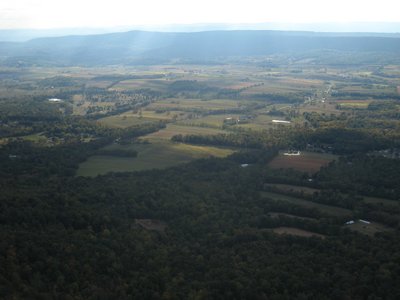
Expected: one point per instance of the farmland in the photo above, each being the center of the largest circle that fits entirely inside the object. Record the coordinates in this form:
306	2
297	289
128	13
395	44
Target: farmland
306	162
296	232
154	155
325	209
165	177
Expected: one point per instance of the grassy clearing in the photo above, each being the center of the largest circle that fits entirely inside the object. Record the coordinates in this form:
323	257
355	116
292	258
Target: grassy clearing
123	121
293	188
276	215
297	232
210	120
360	104
381	201
159	85
130	118
194	104
150	156
309	162
327	209
368	229
172	129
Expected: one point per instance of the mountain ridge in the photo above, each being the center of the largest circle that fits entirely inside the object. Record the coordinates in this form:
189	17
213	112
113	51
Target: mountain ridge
136	47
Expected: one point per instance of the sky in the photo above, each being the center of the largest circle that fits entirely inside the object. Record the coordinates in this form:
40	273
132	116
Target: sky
47	14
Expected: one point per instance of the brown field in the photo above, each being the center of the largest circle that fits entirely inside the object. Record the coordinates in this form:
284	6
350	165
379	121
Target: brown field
398	89
306	162
297	232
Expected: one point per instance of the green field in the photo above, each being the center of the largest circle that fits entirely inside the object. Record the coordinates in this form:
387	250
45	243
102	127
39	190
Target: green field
150	156
172	129
194	104
368	229
327	209
293	188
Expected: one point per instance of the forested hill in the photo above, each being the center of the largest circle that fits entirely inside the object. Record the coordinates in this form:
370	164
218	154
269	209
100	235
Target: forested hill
139	47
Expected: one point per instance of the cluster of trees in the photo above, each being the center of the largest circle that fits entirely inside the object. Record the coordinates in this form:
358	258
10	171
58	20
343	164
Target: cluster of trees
280	137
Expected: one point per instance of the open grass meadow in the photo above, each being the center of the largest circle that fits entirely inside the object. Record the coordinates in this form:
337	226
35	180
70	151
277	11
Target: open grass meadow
296	232
173	129
150	156
358	104
131	118
369	229
309	162
194	104
326	209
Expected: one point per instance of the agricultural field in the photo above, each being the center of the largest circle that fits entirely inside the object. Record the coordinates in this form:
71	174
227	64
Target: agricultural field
309	162
369	229
292	188
172	129
325	209
194	104
131	118
357	104
150	156
297	232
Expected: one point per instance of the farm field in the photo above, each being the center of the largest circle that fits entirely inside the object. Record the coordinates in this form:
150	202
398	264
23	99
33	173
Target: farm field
381	201
360	104
159	85
326	209
309	162
150	156
278	215
172	129
368	229
297	232
130	118
193	104
292	188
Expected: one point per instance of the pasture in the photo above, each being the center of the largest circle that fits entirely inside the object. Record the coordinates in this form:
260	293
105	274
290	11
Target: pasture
358	104
172	129
309	162
368	229
296	232
292	188
194	104
150	156
326	209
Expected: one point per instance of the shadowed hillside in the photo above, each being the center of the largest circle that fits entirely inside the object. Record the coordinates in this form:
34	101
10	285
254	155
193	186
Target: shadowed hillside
139	47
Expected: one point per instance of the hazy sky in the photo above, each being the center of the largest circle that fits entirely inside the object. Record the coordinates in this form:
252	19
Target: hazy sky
111	13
